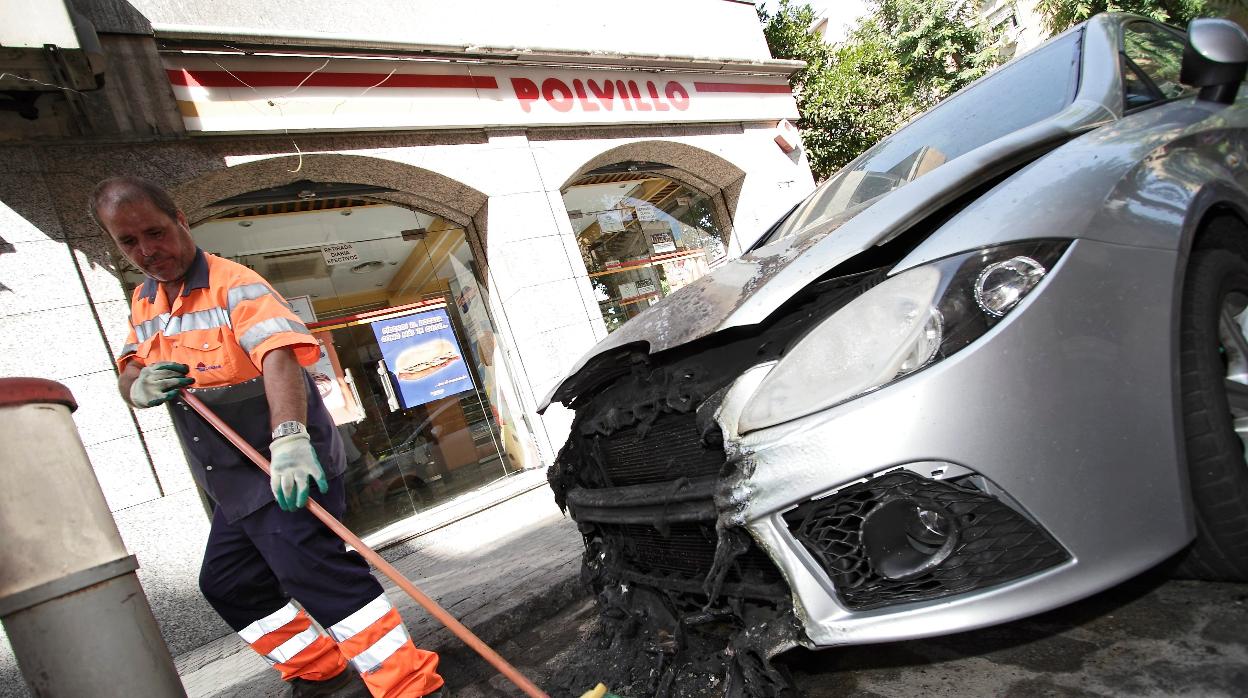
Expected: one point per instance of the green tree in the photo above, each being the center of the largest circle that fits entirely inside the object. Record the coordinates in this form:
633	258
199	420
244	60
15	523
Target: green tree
902	58
1060	15
942	45
788	36
858	99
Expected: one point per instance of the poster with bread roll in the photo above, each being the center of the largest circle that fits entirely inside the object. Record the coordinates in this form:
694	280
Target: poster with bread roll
423	356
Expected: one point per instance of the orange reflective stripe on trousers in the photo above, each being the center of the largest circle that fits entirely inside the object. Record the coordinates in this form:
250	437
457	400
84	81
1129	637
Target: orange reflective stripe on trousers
289	641
378	646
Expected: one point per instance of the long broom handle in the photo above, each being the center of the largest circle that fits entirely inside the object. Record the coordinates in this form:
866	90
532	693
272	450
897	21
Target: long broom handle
440	614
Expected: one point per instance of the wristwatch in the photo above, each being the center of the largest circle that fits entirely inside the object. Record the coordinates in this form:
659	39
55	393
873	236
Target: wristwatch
288	428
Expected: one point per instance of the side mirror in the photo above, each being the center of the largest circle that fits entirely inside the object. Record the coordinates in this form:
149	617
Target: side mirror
1215	59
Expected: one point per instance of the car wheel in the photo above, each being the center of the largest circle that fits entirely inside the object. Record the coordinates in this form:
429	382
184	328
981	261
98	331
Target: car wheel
1214	384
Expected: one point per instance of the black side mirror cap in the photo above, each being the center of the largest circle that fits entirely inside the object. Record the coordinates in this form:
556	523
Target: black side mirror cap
1215	59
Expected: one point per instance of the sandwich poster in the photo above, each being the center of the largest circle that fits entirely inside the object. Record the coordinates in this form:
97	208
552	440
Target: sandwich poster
424	359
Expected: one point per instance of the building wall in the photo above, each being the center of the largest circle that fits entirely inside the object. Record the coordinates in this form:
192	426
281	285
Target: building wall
721	28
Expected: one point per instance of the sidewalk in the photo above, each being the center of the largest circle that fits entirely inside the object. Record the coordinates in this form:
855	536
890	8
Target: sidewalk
499	570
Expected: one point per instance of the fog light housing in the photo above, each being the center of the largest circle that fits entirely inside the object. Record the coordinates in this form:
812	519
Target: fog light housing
903	539
1001	286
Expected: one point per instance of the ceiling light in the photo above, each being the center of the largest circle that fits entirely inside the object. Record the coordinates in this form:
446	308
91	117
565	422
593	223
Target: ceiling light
245	224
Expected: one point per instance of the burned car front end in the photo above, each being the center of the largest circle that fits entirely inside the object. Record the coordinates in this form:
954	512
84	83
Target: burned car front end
915	408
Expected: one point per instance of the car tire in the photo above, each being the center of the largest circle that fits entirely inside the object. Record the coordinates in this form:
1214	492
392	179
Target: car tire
1216	286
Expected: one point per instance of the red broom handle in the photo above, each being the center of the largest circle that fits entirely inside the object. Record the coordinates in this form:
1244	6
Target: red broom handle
440	614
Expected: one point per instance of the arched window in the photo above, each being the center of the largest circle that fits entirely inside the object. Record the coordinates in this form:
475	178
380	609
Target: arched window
642	234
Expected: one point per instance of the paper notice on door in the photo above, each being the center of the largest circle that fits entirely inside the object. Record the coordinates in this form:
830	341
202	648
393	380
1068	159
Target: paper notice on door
339	253
661	241
328	375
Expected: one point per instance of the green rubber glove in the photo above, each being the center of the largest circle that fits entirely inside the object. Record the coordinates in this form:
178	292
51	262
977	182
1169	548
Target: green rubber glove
294	461
158	383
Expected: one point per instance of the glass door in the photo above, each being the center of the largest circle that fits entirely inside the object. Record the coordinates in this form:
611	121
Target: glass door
409	368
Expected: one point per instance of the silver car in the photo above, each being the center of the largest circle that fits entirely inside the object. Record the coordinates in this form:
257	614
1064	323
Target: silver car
993	366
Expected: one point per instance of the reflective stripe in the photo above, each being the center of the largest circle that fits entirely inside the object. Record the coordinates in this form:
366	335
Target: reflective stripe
147	328
293	646
198	320
248	292
269	623
374	656
128	350
355	623
264	329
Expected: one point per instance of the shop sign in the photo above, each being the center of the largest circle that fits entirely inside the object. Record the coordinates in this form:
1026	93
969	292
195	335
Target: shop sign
339	253
226	93
606	94
422	356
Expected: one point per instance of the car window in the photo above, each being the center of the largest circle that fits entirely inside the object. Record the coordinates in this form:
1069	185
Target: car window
1025	91
1137	91
1157	53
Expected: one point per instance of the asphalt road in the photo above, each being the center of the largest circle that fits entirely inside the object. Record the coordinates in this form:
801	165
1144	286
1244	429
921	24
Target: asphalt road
1149	637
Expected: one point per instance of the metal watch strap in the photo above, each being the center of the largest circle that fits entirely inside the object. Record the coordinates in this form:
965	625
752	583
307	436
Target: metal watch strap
287	428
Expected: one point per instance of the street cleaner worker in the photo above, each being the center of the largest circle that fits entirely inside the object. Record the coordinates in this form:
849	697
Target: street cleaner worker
205	321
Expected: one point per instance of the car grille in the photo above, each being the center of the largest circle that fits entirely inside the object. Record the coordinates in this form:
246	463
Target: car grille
670	449
997	544
684	553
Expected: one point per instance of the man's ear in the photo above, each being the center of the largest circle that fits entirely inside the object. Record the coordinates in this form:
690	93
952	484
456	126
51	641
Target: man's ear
181	218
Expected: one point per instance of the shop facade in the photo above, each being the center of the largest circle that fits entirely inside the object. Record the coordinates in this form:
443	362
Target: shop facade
455	219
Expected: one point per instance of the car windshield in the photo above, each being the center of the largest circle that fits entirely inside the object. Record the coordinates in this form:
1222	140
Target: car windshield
1023	92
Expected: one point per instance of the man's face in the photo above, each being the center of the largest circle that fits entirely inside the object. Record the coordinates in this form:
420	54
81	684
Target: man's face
159	245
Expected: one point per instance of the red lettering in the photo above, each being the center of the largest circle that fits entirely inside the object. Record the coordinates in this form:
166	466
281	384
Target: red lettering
583	98
641	104
619	86
654	97
677	95
605	94
560	102
526	92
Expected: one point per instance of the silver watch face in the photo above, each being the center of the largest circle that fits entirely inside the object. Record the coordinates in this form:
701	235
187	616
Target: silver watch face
287	428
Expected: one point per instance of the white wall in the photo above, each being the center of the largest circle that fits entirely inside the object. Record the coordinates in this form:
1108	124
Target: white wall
726	28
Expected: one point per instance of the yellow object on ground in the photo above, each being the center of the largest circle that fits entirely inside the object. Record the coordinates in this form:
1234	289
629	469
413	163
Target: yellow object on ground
599	691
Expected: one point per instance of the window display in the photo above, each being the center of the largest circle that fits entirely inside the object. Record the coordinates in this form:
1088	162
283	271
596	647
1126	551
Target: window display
641	235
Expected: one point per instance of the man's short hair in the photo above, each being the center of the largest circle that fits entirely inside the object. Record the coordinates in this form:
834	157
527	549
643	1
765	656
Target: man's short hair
127	189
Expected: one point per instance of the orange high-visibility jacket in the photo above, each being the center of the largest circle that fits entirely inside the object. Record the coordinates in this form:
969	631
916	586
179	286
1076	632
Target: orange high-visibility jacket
222	323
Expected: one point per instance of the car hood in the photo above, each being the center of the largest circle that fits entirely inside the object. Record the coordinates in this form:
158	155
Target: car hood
746	290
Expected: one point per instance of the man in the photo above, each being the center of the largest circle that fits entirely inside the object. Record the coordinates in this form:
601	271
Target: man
205	321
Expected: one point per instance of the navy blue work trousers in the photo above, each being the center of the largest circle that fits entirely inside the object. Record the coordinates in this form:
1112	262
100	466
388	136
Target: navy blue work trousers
254	566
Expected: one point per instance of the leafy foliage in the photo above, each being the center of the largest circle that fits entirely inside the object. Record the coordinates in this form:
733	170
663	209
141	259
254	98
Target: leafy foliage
1060	15
902	58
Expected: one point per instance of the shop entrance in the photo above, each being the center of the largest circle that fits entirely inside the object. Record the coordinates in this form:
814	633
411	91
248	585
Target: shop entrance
642	235
409	367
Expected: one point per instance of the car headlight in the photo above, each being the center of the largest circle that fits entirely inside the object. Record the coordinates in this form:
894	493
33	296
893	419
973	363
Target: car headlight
908	321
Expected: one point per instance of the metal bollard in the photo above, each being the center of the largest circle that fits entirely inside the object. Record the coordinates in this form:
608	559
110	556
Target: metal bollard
70	602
